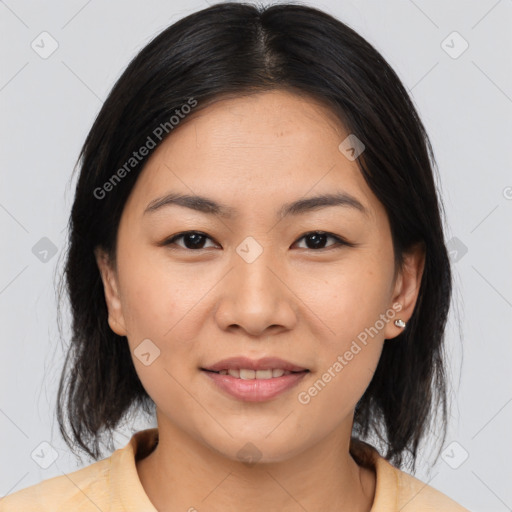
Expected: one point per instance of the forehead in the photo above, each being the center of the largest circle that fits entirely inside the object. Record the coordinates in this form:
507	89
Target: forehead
254	151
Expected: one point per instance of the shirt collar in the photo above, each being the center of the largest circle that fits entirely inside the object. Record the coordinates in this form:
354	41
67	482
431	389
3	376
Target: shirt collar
126	485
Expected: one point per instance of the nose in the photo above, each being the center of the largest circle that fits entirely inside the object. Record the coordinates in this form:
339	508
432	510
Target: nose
256	297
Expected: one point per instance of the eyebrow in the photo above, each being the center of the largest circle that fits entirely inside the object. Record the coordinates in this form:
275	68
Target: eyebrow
211	207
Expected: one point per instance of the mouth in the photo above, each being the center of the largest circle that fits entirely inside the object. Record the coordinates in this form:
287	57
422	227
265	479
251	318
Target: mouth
249	374
254	386
254	380
265	367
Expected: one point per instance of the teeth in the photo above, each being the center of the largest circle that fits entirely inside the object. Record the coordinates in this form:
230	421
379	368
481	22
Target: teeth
252	374
247	374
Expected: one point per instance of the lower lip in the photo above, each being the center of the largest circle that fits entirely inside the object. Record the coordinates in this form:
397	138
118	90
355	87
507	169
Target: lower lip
255	390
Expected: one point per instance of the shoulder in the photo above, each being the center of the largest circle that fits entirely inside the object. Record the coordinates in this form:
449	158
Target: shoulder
105	485
396	490
413	495
83	490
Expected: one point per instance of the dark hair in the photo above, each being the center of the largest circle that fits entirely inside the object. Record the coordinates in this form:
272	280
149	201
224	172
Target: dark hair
237	49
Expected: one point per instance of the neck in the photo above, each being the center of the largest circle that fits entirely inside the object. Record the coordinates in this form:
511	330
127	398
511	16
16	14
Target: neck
183	474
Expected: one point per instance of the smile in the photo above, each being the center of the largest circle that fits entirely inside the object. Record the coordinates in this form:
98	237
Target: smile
247	385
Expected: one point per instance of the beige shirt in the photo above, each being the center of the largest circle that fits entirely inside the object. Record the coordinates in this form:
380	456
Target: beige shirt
113	485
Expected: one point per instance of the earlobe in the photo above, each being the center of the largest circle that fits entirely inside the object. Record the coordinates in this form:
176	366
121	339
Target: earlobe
111	290
407	287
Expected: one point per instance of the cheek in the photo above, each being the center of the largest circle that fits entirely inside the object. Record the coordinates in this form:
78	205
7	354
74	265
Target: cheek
163	303
349	346
349	298
352	306
158	307
157	297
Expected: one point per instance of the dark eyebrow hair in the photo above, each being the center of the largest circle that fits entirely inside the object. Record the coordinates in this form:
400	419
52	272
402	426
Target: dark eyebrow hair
209	206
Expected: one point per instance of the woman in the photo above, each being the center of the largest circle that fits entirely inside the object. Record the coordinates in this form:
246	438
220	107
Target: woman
256	258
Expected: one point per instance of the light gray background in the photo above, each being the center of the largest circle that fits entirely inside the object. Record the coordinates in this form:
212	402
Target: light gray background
48	106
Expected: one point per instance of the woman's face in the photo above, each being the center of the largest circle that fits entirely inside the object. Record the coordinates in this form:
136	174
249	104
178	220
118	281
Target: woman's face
253	282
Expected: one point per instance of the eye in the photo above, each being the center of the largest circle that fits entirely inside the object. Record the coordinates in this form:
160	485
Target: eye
192	239
315	240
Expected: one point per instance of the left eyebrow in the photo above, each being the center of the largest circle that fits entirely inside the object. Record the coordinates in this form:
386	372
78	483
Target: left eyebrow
301	206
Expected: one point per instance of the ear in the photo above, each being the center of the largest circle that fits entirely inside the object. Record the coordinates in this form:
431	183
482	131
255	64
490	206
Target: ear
111	289
407	287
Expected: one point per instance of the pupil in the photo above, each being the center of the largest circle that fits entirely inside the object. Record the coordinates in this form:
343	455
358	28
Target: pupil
195	244
320	239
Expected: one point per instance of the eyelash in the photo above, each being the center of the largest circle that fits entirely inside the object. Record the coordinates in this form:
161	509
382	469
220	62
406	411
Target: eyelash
339	241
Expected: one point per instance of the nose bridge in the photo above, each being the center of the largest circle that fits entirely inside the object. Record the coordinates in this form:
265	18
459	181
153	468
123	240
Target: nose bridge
256	298
253	272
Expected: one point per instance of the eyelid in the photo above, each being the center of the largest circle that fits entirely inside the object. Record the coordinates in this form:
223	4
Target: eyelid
340	241
170	240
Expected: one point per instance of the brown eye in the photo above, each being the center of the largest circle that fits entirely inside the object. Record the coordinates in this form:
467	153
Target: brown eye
192	240
316	240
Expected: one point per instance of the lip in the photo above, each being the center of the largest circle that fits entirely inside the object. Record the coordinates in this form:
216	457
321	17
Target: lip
264	363
255	390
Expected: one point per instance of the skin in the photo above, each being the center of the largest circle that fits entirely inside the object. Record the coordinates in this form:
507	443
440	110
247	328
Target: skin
301	303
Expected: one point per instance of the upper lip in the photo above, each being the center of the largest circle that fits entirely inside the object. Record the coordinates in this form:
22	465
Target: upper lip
265	363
